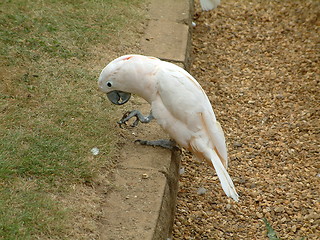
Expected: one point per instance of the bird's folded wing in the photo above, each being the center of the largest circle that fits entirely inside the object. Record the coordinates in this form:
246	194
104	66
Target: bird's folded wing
185	99
217	138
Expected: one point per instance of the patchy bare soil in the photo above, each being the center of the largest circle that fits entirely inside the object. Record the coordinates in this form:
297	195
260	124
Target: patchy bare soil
88	201
258	61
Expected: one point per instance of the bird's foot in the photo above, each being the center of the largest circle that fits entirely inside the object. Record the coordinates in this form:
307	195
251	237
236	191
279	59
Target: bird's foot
139	118
168	144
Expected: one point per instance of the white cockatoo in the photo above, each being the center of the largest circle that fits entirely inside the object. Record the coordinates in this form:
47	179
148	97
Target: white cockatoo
178	103
207	5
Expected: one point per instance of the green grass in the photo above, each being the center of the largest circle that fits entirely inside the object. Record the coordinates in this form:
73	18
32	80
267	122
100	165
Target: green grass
51	113
34	214
271	233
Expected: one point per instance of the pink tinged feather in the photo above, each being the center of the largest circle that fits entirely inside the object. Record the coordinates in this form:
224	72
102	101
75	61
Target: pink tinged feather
179	105
216	135
225	179
184	111
198	146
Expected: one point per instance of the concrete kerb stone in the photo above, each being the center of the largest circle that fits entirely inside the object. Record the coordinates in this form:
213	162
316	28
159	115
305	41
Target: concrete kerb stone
153	197
168	37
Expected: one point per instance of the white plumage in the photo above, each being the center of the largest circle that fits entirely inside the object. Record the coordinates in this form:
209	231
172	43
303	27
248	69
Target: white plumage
178	103
207	5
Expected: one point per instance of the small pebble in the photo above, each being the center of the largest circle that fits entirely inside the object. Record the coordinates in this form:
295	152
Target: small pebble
95	151
279	209
181	171
259	215
201	191
145	176
237	144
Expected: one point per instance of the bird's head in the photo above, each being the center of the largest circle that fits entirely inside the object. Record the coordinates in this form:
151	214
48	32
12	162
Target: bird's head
129	74
110	83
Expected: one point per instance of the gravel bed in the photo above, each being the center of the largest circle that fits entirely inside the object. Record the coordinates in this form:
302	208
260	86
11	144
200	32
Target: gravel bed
258	61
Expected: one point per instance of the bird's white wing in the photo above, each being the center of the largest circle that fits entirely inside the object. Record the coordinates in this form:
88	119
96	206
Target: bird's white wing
185	99
217	137
207	5
181	95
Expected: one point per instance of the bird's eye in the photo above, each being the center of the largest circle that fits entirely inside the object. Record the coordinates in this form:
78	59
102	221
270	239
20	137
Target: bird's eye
109	84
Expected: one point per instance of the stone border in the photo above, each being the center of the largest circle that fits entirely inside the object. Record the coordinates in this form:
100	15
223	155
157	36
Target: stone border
168	37
142	206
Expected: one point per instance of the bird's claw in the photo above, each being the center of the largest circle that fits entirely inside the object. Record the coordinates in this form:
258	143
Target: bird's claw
139	118
168	144
142	142
125	118
120	123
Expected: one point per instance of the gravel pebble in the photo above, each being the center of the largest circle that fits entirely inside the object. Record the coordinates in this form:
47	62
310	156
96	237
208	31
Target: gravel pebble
258	61
201	191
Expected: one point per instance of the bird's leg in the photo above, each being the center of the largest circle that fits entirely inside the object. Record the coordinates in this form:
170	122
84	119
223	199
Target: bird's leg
169	144
135	113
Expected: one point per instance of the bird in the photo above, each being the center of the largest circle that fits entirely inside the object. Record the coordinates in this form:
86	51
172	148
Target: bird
207	5
178	104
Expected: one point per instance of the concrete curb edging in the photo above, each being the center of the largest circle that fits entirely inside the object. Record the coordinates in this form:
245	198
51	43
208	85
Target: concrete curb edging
168	37
142	206
164	226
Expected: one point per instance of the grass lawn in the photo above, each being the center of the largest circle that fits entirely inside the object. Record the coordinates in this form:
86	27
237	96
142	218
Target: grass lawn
51	114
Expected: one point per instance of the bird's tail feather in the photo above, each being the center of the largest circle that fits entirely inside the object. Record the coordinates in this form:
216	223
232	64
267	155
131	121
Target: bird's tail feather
225	179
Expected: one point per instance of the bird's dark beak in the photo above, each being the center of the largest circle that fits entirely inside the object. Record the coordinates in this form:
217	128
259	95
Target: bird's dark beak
118	97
